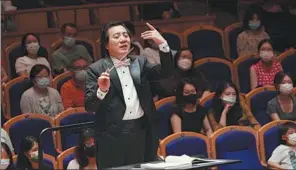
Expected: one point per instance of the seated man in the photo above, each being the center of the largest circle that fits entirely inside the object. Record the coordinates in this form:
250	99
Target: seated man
72	91
63	56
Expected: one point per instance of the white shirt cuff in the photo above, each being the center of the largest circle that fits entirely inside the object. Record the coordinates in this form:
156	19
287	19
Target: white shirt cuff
164	47
101	95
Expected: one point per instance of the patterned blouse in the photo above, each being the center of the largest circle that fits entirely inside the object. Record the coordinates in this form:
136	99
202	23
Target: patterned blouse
265	75
247	42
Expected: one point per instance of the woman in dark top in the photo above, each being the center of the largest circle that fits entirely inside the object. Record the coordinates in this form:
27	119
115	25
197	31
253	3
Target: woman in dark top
227	109
183	68
283	106
6	158
188	115
27	158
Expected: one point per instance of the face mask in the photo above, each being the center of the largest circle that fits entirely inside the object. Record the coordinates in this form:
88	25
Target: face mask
286	88
80	75
266	55
229	99
69	41
90	151
191	99
4	163
43	82
34	156
33	48
292	139
185	64
254	25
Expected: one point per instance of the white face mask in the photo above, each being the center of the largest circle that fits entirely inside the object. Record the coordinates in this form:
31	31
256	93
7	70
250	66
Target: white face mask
286	88
229	99
292	139
34	156
80	75
33	48
266	55
4	163
69	41
43	82
184	64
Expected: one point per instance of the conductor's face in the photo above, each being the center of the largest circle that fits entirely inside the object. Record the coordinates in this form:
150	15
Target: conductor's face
119	41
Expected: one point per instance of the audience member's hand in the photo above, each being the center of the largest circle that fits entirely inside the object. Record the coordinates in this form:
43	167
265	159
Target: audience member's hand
153	34
104	82
227	107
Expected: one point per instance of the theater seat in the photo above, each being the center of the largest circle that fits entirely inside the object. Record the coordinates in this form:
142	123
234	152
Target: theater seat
189	143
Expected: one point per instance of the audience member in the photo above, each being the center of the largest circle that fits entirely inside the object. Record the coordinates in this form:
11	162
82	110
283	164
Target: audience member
75	86
263	72
253	33
31	46
164	10
131	27
151	51
28	155
85	152
283	106
227	109
183	67
4	77
41	98
283	157
188	115
61	58
6	158
6	139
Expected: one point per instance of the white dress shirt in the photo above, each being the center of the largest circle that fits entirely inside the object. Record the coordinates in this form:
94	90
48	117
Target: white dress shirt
131	99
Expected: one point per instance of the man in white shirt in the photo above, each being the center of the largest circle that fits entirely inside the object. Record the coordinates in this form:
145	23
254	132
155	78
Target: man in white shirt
118	90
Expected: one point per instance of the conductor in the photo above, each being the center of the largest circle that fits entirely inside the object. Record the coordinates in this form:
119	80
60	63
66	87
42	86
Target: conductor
118	91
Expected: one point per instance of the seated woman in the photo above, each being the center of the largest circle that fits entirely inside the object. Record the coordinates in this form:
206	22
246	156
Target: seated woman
31	46
283	106
183	68
6	158
227	109
253	33
41	98
263	72
188	115
28	155
84	152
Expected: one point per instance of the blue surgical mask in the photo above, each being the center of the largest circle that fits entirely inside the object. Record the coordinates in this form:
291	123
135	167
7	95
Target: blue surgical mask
43	82
254	25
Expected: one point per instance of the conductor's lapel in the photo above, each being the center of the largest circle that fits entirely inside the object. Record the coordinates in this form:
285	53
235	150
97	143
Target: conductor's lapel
135	70
114	76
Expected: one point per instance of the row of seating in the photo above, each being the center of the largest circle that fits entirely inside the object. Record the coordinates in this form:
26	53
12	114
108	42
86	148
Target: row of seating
31	124
253	148
204	40
256	100
214	69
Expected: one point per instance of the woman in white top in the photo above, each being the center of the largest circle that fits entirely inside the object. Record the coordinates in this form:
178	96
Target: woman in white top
31	46
84	152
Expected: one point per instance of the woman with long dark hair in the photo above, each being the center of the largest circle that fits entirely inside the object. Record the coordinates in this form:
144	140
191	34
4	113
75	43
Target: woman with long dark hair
227	109
85	152
6	158
32	55
28	155
183	68
188	114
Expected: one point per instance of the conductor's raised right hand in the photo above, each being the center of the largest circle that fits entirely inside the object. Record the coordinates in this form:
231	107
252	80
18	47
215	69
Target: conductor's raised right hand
104	82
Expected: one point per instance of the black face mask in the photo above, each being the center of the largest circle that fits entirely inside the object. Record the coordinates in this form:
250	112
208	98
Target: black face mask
190	99
90	151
